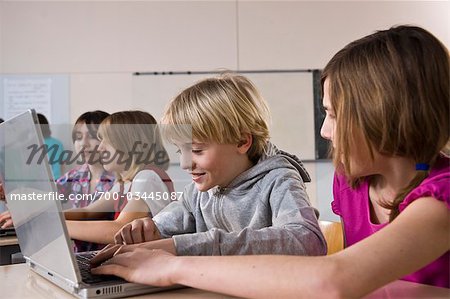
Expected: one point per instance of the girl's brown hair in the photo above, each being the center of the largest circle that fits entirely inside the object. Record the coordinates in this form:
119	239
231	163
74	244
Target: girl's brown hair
92	119
391	87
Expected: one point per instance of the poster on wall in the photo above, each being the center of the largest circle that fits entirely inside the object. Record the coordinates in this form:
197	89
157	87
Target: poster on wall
21	94
47	94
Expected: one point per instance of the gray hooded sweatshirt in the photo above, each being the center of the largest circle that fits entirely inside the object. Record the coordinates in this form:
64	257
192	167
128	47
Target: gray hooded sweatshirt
264	210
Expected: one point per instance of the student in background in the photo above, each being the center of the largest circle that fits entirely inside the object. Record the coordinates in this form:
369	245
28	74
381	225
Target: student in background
54	146
247	197
132	148
89	176
84	184
386	98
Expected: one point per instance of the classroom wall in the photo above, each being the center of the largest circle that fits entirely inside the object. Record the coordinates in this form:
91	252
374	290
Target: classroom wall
99	44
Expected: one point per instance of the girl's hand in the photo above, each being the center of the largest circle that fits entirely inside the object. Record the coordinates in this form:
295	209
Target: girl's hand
108	252
146	266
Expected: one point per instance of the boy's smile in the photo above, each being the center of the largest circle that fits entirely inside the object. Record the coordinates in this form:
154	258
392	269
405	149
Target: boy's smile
197	177
213	164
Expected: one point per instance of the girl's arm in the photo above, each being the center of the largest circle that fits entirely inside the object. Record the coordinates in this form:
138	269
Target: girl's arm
100	209
145	183
103	231
415	238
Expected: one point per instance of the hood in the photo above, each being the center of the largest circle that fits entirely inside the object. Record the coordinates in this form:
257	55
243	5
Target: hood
273	151
271	160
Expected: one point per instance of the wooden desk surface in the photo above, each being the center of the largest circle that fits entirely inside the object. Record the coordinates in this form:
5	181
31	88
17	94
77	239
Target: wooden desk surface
17	281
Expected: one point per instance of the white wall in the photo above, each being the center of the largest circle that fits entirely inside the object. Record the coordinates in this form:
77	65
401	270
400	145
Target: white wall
100	43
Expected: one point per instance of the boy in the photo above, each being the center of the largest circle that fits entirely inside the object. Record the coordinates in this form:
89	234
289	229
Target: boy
247	197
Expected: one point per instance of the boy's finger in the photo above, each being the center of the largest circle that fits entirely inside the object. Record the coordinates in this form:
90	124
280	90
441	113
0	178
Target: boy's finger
105	253
136	234
118	237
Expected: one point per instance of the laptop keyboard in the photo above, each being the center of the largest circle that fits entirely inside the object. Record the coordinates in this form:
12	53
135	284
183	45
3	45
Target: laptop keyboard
83	260
5	232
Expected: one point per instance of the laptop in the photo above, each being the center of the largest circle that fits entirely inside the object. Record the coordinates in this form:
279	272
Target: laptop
38	218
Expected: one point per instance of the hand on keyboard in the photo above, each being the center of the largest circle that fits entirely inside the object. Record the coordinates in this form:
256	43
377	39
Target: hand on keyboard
137	265
108	252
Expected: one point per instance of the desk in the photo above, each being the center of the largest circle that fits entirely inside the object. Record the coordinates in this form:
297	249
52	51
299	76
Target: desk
8	246
17	281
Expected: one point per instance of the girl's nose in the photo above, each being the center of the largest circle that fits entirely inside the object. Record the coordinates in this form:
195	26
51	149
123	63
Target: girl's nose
101	146
325	130
85	142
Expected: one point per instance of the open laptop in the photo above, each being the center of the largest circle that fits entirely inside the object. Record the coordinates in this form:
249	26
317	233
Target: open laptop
38	218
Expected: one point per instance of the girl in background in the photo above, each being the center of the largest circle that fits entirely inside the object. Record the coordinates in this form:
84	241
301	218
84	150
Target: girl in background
132	148
89	178
83	184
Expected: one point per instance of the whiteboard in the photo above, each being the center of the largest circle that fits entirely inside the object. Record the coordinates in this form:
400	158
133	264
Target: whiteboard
289	94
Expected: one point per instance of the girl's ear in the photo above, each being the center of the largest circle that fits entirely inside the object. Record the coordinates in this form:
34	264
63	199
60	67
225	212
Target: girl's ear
246	142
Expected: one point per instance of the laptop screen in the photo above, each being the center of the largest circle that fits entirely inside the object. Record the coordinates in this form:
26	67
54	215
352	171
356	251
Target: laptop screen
32	198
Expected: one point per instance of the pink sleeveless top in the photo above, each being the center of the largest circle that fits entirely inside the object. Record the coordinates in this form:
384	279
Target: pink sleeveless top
354	208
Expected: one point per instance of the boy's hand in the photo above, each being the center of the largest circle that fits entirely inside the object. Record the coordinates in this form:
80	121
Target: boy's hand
138	231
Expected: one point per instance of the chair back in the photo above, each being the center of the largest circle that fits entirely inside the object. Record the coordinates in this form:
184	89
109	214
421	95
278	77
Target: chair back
334	235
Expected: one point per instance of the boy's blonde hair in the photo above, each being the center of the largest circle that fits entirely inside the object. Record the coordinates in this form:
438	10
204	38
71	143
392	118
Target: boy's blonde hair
220	110
132	132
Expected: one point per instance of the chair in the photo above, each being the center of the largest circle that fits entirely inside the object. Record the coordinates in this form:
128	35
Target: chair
334	235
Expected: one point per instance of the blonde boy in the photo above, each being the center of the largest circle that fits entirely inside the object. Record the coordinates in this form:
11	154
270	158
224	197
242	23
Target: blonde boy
247	197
